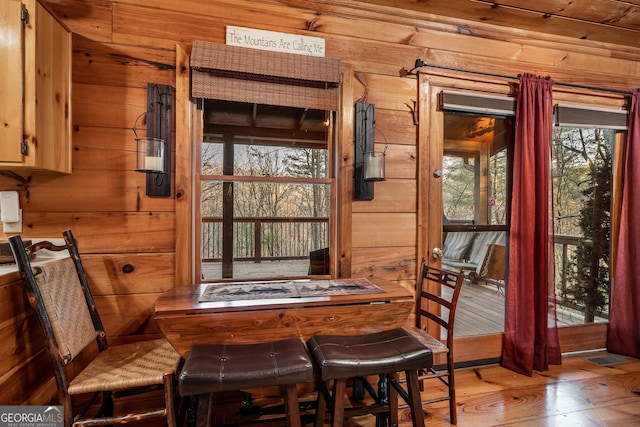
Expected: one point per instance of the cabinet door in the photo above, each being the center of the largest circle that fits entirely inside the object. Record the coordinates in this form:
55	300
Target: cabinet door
11	81
50	140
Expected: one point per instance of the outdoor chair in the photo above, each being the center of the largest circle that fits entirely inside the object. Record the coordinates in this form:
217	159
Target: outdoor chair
479	255
438	292
59	294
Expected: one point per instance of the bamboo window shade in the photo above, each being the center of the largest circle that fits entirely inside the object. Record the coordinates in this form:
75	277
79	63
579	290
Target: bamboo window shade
233	73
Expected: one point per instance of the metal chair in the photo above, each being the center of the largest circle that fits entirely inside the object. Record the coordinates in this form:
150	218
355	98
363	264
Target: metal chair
59	294
438	292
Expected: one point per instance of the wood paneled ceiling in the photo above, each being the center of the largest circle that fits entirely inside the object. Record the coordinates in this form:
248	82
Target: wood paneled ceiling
607	21
614	22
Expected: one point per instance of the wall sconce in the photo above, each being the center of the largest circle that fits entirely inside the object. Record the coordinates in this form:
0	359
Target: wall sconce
153	152
369	164
150	154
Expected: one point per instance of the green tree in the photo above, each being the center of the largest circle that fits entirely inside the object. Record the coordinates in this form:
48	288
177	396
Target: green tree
591	260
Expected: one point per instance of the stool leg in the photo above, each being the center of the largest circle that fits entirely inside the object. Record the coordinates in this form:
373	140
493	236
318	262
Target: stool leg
205	406
393	402
191	411
292	409
383	420
417	414
339	391
321	404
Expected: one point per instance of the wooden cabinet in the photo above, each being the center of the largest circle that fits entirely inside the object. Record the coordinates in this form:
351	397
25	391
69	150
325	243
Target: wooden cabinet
35	87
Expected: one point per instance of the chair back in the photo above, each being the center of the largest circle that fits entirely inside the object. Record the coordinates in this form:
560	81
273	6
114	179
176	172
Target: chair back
59	294
438	292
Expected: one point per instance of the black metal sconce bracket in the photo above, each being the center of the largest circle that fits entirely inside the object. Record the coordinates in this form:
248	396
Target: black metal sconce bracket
364	142
160	102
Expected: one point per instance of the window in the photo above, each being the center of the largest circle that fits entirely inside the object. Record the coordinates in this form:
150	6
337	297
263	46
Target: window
266	181
582	154
475	170
582	174
265	190
476	180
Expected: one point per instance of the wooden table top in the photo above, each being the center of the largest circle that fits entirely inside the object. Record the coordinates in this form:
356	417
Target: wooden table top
186	300
185	320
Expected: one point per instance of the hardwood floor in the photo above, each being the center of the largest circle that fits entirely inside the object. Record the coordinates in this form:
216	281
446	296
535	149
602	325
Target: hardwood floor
577	393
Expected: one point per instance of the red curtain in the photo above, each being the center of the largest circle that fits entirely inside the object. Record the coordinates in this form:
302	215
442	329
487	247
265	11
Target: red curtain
624	319
531	338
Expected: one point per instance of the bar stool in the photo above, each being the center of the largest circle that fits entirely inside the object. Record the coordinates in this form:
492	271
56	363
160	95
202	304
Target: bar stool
386	353
211	368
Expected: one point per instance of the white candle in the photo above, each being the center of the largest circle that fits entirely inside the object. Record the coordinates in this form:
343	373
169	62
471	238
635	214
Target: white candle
374	166
153	163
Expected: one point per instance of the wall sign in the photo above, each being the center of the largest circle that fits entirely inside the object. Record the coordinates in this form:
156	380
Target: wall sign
271	40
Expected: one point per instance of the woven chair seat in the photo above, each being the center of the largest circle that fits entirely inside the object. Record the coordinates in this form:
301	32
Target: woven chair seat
125	366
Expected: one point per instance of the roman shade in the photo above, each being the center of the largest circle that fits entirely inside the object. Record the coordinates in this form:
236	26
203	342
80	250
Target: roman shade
578	116
477	103
233	73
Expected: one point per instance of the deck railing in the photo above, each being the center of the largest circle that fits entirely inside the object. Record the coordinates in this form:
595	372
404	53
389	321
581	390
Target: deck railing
567	248
567	244
259	238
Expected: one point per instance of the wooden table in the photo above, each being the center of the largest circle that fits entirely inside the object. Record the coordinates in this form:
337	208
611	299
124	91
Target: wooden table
185	321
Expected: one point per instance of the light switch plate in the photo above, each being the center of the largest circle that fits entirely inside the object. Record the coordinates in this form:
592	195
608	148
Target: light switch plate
13	227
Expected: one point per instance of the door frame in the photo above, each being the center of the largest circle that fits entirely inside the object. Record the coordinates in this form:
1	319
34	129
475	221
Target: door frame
470	350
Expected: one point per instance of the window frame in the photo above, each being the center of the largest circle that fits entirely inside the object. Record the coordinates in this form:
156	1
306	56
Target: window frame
198	178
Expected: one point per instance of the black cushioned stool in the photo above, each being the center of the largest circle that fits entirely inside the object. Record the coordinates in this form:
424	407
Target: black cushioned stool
211	368
339	358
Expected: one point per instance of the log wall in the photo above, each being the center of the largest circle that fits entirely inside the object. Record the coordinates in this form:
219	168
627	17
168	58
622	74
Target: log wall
120	46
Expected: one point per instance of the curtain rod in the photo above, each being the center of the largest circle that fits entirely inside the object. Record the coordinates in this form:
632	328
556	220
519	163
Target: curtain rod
420	63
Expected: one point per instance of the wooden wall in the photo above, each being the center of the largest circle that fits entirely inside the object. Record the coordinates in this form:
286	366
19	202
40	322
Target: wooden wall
120	46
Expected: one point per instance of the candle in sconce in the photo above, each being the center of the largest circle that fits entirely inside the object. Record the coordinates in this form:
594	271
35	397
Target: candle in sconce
374	168
153	163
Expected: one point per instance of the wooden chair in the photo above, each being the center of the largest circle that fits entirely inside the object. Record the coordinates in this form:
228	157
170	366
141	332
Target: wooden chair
59	294
438	292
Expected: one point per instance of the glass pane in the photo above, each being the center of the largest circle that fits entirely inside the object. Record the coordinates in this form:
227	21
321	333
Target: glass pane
265	160
582	160
475	169
275	227
272	220
475	184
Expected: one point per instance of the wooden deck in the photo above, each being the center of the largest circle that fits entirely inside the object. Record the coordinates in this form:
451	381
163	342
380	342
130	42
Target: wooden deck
481	311
252	270
480	307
